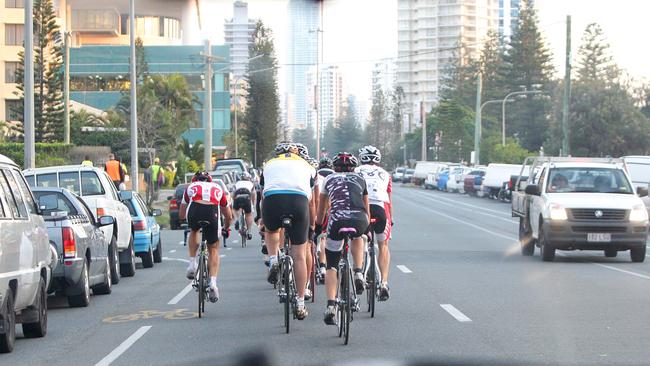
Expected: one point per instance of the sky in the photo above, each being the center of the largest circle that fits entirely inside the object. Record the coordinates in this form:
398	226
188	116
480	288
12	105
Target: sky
358	33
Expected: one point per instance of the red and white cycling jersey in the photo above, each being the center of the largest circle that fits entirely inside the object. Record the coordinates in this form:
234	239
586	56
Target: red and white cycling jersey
379	183
205	191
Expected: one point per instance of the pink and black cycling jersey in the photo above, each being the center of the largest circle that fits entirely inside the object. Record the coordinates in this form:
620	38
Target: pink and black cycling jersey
345	191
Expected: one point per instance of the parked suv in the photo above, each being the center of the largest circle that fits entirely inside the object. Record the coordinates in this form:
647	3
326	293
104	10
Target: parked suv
26	259
174	205
99	193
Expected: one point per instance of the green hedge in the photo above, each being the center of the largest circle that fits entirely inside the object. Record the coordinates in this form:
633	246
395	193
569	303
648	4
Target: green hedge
47	154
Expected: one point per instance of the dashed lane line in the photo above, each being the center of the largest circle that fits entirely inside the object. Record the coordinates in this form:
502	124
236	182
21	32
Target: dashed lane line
180	295
117	352
173	251
457	314
403	268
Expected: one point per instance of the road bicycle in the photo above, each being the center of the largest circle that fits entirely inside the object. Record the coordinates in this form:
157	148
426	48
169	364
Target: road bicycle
313	274
371	270
346	298
243	230
286	282
201	279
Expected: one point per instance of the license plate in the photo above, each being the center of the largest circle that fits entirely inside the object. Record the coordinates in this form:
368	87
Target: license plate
599	237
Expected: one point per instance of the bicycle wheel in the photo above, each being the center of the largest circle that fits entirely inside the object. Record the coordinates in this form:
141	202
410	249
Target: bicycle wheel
287	290
201	284
343	296
242	229
349	302
312	275
371	291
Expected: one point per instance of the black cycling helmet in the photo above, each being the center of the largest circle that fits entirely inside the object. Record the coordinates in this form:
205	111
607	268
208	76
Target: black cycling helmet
202	176
325	163
344	162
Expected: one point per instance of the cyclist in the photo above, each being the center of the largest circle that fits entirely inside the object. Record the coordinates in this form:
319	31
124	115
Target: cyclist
346	194
288	180
380	186
202	201
243	200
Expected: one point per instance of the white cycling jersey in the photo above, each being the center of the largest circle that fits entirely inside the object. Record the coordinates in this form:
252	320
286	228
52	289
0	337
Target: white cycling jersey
244	184
379	182
288	174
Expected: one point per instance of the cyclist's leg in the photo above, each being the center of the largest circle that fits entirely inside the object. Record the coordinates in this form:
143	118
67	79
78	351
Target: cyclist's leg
298	207
272	211
332	250
248	211
212	237
194	215
357	249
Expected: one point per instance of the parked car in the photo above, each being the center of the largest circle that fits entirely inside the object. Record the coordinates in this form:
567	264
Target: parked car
638	167
237	165
472	181
429	182
174	205
79	242
456	181
99	193
26	259
146	231
443	177
408	176
580	204
422	168
226	178
496	175
398	174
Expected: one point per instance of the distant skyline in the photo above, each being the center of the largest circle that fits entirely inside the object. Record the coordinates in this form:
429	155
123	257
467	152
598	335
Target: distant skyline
358	33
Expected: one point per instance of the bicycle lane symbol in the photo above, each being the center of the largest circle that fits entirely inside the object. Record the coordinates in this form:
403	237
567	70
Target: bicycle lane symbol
178	314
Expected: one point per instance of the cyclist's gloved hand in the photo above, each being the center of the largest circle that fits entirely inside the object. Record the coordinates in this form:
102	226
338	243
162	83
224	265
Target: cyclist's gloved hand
317	231
225	232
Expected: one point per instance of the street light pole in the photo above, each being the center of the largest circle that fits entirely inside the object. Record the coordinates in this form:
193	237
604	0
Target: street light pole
317	90
28	120
503	111
478	128
66	89
134	101
207	108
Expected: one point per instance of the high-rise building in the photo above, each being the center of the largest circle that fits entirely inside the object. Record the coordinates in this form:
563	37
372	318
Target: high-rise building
429	35
302	52
383	76
508	16
330	94
238	35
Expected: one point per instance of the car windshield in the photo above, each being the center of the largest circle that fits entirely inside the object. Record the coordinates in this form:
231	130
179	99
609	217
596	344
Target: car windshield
589	180
229	166
51	202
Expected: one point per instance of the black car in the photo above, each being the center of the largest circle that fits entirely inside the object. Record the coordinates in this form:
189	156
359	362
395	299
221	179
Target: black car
175	204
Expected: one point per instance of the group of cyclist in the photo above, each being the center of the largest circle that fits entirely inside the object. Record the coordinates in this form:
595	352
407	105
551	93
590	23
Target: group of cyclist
319	196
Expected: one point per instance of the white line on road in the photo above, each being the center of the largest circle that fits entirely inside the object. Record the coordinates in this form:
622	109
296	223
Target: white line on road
181	242
117	352
455	313
221	255
469	224
173	251
176	259
473	209
180	295
456	202
624	271
229	248
403	268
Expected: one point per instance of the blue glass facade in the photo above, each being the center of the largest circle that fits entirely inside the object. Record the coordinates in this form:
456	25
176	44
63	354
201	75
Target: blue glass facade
99	76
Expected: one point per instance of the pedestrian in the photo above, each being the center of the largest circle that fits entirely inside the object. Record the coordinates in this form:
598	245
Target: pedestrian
87	161
155	178
114	170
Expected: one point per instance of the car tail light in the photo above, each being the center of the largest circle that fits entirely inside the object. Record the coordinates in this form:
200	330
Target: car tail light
173	204
510	184
69	246
101	212
139	225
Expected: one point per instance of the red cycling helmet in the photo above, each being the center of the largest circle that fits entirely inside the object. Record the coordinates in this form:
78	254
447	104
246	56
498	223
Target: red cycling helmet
345	162
202	176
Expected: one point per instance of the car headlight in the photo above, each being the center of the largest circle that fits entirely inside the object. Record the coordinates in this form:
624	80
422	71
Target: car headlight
557	212
638	213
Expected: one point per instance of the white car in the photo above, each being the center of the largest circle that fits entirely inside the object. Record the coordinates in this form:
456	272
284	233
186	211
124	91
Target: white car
580	204
26	259
456	182
98	191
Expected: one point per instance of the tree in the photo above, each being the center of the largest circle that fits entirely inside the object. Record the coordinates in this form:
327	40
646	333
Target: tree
595	62
454	124
48	83
141	64
512	153
263	113
306	136
348	131
459	83
527	63
377	125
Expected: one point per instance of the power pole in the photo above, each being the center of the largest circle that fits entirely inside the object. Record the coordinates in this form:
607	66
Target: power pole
477	120
66	89
424	131
207	107
28	121
567	90
134	102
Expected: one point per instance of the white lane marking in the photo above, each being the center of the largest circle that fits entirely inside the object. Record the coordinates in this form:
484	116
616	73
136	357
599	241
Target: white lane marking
176	259
403	268
512	221
623	271
229	248
466	204
221	255
180	295
117	352
455	313
181	242
173	251
235	241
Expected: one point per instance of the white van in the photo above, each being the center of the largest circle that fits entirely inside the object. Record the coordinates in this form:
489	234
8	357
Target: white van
496	175
26	259
98	191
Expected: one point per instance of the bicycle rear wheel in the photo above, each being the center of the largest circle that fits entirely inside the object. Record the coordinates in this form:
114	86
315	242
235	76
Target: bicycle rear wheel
287	290
242	229
312	275
201	283
371	291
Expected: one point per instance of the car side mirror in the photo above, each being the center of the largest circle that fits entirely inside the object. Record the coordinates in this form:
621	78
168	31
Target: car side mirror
642	191
156	212
532	189
105	221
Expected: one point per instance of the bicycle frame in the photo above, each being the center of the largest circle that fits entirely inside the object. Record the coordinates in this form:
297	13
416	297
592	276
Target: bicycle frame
286	281
347	301
371	272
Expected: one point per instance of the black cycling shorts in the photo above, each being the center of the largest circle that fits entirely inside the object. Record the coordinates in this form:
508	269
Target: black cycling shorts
198	212
276	206
242	202
359	223
379	214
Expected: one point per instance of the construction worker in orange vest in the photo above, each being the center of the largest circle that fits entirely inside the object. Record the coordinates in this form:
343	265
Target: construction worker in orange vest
114	170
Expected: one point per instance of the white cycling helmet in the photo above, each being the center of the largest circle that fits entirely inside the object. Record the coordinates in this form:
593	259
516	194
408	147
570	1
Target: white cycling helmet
302	150
369	154
285	147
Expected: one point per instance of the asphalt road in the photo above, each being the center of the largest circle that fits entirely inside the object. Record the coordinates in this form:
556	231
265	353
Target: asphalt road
460	292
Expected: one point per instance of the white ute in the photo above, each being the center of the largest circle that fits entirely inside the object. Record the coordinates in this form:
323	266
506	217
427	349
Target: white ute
579	204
